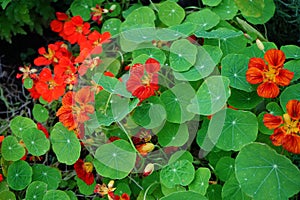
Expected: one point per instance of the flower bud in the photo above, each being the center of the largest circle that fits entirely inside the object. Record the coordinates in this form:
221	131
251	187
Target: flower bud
112	8
260	45
148	169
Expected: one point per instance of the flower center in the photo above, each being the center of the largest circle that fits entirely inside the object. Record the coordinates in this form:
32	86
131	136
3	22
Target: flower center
51	84
291	126
270	74
146	80
88	167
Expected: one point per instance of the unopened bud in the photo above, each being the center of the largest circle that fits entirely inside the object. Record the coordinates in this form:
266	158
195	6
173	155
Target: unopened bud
148	169
112	7
260	45
247	36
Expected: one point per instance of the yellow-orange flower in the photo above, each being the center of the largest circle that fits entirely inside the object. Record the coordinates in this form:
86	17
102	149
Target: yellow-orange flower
269	76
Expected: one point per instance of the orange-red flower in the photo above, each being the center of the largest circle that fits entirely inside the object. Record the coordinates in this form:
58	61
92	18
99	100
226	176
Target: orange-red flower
66	69
112	196
49	87
143	80
96	14
286	128
269	76
76	30
75	108
142	142
84	171
104	189
57	25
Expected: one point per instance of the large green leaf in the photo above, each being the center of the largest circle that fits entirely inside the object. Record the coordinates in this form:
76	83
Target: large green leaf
211	96
56	195
226	9
65	144
264	174
49	175
111	25
251	8
291	92
170	13
19	175
173	134
200	183
184	195
204	19
115	160
266	14
182	55
240	128
35	141
254	51
232	190
174	32
244	100
181	172
19	124
291	51
11	149
36	190
82	8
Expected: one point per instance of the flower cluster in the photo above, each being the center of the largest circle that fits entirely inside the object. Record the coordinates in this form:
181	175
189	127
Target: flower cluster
103	189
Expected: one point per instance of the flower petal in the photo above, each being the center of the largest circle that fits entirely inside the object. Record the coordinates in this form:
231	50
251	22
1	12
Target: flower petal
284	77
293	109
291	143
271	121
254	75
278	136
268	90
275	58
152	66
257	63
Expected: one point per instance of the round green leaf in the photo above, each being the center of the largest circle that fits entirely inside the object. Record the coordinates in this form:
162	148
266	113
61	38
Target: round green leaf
204	19
182	55
155	53
226	9
28	83
19	124
111	25
7	195
36	190
211	96
265	174
35	141
291	51
122	188
49	175
82	8
240	128
274	108
211	2
176	101
170	13
40	113
291	92
85	188
65	144
11	149
253	51
250	7
293	66
207	58
141	15
214	192
200	183
225	168
244	100
183	195
3	186
173	135
234	66
71	195
167	191
181	155
56	195
214	157
19	175
181	172
266	14
118	156
232	190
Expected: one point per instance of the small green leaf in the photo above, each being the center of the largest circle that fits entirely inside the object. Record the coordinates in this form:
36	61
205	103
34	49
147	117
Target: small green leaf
35	141
291	92
154	52
5	3
84	188
291	51
211	2
226	9
40	113
183	195
56	195
182	55
65	144
265	174
232	190
28	83
244	100
19	175
225	168
274	108
251	8
214	192
170	13
112	25
293	66
82	8
173	134
181	155
11	149
200	183
181	172
7	195
36	190
265	15
204	19
49	175
19	124
167	191
214	157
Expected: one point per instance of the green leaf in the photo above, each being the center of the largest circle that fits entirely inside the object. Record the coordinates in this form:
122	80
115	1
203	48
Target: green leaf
111	25
214	157
56	195
65	144
211	2
130	10
71	195
174	32
244	100
200	183
207	58
274	108
232	190
251	8
182	55
204	19
170	13
103	108
291	51
154	52
173	135
49	175
234	66
261	127
36	141
82	8
176	101
265	174
181	155
4	3
293	66
40	113
7	195
28	83
291	92
220	33
19	124
254	52
11	149
266	14
122	188
167	191
19	175
85	188
225	168
226	9
240	128
183	195
115	160
141	15
214	192
181	172
117	10
211	96
36	190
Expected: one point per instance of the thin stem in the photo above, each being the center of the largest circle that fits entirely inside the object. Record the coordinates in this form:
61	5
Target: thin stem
127	134
148	188
136	183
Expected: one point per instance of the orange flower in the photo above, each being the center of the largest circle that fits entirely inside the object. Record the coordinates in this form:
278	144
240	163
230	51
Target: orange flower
76	30
142	142
286	128
270	75
103	189
76	107
84	171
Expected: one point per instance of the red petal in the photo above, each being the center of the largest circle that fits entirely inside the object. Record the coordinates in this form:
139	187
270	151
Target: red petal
268	90
56	26
254	75
257	63
271	121
278	136
152	66
293	109
84	96
284	77
61	16
77	20
275	58
291	142
41	61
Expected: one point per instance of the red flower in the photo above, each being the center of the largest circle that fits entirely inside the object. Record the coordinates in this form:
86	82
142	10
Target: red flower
270	75
58	24
88	63
286	128
42	128
50	88
66	69
76	30
84	171
76	107
112	196
143	80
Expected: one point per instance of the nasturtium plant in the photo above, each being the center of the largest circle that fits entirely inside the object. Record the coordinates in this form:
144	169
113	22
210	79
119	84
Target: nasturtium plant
49	175
40	113
11	149
36	190
19	124
36	142
201	181
19	175
56	195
